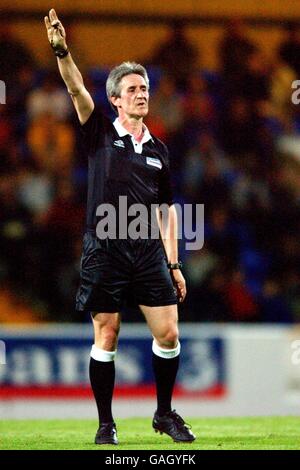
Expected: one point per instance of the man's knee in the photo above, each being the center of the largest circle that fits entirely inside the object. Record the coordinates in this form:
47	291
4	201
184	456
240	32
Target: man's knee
169	338
106	332
108	337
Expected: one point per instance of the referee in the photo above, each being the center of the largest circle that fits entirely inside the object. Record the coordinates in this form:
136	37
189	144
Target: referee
125	160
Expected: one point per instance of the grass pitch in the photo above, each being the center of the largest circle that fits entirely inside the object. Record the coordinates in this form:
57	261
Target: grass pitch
264	433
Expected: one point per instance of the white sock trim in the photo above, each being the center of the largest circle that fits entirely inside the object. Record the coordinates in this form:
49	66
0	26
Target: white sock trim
101	355
165	353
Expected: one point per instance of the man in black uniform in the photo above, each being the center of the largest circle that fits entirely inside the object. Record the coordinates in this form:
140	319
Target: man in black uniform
125	160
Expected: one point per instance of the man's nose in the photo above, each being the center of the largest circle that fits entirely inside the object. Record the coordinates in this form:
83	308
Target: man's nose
142	94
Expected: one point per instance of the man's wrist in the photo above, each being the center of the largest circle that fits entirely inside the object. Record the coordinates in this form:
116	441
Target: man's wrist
60	51
173	266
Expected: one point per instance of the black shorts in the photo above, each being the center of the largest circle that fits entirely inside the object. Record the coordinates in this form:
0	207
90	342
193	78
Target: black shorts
114	270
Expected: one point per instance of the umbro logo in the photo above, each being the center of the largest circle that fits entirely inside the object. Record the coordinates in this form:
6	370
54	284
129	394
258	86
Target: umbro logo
119	143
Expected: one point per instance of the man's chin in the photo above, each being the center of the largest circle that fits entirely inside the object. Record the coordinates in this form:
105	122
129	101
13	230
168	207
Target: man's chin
142	112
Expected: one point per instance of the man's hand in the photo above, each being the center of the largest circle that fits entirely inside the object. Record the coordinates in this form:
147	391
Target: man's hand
179	283
56	32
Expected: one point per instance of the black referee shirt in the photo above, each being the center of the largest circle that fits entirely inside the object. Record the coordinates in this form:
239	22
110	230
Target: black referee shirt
115	169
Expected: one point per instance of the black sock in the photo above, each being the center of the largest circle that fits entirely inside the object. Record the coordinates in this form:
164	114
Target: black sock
165	371
102	377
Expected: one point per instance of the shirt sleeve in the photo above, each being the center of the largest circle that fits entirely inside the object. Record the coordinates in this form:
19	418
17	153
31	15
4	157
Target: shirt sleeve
165	190
92	130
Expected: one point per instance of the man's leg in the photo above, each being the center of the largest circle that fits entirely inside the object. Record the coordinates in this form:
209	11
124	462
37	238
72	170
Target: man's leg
102	371
163	323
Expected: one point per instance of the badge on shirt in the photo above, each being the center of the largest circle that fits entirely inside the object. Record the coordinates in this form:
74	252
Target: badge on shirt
119	143
154	162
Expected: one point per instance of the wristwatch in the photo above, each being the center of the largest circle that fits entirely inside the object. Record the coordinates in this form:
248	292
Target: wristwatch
175	265
60	52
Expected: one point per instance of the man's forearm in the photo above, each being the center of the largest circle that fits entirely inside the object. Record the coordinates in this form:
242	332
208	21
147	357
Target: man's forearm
169	234
171	248
70	74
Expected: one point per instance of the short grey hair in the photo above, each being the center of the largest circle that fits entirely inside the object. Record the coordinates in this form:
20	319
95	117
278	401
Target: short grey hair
115	77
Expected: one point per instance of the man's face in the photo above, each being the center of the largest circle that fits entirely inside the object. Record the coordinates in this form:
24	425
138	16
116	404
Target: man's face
134	98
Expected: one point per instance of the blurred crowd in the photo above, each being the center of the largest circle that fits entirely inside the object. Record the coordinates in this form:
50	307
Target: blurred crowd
234	141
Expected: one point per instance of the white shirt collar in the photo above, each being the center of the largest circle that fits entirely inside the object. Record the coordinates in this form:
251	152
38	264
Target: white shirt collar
122	131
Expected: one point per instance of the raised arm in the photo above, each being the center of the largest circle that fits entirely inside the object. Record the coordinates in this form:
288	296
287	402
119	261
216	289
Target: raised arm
81	98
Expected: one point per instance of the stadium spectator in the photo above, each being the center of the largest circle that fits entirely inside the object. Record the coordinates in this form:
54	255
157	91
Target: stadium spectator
203	162
14	55
177	56
60	226
274	305
255	80
51	143
166	106
238	128
282	76
235	49
35	189
16	226
6	141
241	303
49	99
197	101
289	49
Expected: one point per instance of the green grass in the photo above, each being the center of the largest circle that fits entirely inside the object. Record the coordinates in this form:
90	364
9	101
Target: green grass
267	433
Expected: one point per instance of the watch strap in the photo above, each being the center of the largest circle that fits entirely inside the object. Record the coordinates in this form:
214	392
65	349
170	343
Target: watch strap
175	265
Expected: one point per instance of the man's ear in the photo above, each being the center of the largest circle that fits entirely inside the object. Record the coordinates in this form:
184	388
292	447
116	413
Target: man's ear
115	100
